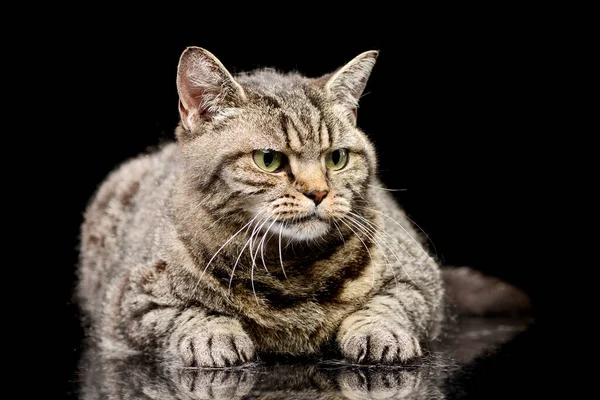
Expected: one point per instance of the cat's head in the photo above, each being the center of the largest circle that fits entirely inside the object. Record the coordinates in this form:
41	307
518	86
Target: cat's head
281	150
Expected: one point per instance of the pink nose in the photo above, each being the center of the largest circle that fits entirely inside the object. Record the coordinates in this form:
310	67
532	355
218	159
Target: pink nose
316	195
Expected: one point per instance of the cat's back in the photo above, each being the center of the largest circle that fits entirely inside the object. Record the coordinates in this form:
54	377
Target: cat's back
123	216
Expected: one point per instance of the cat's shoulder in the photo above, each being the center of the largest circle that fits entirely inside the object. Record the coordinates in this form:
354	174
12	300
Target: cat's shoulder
124	181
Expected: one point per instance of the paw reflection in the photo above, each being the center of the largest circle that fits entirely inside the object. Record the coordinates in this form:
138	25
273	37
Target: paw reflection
230	384
134	378
386	383
215	384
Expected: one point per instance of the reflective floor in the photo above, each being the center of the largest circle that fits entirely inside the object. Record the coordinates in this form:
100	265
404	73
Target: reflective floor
480	358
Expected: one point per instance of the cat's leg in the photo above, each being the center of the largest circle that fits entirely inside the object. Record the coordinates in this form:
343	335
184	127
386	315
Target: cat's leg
156	322
394	325
204	340
191	337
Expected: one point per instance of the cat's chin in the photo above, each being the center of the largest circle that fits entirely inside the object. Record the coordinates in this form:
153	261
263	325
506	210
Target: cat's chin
302	231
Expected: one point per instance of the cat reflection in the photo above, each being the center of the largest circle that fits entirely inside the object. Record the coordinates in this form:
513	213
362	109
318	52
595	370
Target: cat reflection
135	378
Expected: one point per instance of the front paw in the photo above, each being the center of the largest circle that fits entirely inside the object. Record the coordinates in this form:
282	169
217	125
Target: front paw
379	342
219	343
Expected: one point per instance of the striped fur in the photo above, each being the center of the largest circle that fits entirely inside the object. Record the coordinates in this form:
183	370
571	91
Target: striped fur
198	256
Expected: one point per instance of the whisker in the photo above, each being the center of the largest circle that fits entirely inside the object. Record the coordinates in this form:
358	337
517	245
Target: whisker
424	233
221	248
386	189
280	256
394	239
252	283
375	229
370	232
373	234
391	237
401	227
339	230
257	230
261	246
364	244
240	256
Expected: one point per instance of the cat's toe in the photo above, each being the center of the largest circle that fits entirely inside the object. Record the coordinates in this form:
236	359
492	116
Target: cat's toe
372	344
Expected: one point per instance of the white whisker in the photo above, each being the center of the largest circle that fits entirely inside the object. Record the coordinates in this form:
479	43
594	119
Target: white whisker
391	249
252	282
339	230
372	233
261	246
401	227
256	231
424	233
393	238
386	189
240	256
221	248
366	248
280	256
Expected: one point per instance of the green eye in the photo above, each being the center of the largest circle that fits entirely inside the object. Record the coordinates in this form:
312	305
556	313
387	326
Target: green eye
337	159
267	160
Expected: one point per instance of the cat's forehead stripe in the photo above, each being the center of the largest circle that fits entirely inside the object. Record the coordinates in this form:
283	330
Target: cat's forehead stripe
284	133
292	133
301	114
298	131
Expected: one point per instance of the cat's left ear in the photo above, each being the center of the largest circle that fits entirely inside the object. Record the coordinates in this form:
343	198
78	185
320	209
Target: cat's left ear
205	87
347	84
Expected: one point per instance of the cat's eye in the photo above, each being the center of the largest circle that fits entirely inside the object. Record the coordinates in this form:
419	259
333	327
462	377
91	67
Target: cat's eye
337	159
268	160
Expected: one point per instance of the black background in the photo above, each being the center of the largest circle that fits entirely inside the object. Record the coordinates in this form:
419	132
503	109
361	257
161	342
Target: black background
452	107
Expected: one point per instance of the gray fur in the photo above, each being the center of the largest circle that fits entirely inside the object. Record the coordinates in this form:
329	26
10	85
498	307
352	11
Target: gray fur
167	265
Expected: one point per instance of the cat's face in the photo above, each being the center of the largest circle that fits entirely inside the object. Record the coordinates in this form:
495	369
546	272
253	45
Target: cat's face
280	151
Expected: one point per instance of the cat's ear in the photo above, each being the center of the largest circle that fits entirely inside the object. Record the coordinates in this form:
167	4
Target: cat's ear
345	86
205	87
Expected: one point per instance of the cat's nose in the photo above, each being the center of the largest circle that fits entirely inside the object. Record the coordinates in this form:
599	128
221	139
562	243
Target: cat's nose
316	195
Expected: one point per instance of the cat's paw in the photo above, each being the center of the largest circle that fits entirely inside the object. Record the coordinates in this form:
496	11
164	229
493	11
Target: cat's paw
219	343
379	342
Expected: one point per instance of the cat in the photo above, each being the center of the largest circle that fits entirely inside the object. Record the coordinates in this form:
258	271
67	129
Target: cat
263	228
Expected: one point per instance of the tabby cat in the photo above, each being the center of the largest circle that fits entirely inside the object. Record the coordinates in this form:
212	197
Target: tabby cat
264	228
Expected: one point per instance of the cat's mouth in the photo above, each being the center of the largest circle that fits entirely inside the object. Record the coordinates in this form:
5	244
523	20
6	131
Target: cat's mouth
306	218
306	227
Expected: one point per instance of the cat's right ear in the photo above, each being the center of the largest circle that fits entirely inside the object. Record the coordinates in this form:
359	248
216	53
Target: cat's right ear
345	86
206	89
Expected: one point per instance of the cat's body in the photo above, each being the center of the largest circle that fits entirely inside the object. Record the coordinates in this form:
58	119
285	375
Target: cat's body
204	255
